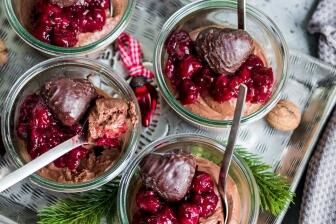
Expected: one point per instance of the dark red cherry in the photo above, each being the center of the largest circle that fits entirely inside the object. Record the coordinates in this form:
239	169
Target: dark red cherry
64	37
49	9
262	95
42	132
189	92
202	183
103	4
179	44
253	61
165	216
95	20
148	201
61	22
188	213
189	66
75	156
207	203
245	74
234	84
204	79
107	142
65	23
221	91
170	68
43	33
263	77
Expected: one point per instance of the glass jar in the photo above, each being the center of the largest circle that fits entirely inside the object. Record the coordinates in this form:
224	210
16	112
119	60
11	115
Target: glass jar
223	13
199	146
13	12
102	77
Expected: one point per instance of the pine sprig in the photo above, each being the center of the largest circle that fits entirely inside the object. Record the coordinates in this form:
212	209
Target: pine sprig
274	190
86	208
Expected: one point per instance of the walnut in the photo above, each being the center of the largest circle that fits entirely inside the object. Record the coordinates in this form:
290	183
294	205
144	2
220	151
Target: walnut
3	53
285	116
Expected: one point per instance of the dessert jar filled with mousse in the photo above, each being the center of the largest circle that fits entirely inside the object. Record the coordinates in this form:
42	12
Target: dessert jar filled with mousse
174	180
62	97
201	58
68	27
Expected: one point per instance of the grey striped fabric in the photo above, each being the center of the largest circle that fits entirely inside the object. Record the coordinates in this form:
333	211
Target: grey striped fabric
323	22
319	197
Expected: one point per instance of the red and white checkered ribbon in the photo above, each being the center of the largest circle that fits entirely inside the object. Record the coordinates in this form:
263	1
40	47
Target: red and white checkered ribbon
131	56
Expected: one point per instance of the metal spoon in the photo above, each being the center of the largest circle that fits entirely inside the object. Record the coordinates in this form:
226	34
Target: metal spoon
41	161
111	8
230	146
241	14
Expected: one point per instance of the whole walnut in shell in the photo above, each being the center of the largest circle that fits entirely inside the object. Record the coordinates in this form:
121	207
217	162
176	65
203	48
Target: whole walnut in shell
285	116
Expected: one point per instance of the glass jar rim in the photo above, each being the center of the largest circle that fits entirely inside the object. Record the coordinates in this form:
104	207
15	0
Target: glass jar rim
127	175
56	50
108	73
216	4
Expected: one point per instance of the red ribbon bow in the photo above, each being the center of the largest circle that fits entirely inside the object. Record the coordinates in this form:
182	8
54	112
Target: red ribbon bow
131	56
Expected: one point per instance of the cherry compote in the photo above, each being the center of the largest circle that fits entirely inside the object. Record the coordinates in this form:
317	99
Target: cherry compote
190	76
61	26
41	131
201	201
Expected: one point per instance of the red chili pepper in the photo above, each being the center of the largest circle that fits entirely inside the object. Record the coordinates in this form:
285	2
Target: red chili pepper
147	98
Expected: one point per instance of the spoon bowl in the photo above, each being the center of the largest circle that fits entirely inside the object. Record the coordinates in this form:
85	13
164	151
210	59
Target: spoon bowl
41	161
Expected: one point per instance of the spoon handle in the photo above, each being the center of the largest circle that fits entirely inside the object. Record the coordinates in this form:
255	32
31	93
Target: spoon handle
111	8
232	137
241	14
40	162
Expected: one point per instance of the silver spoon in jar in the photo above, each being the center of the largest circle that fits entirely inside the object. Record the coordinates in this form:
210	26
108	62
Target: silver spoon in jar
41	161
111	8
241	13
227	157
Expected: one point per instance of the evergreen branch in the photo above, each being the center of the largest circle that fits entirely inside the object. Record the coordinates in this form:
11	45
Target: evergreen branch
86	208
274	190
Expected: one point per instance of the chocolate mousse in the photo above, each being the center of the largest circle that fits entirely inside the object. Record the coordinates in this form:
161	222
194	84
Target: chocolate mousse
205	67
109	120
198	202
70	23
232	195
57	112
68	99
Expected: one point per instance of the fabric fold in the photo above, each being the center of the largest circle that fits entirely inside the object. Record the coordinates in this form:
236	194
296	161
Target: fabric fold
323	22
